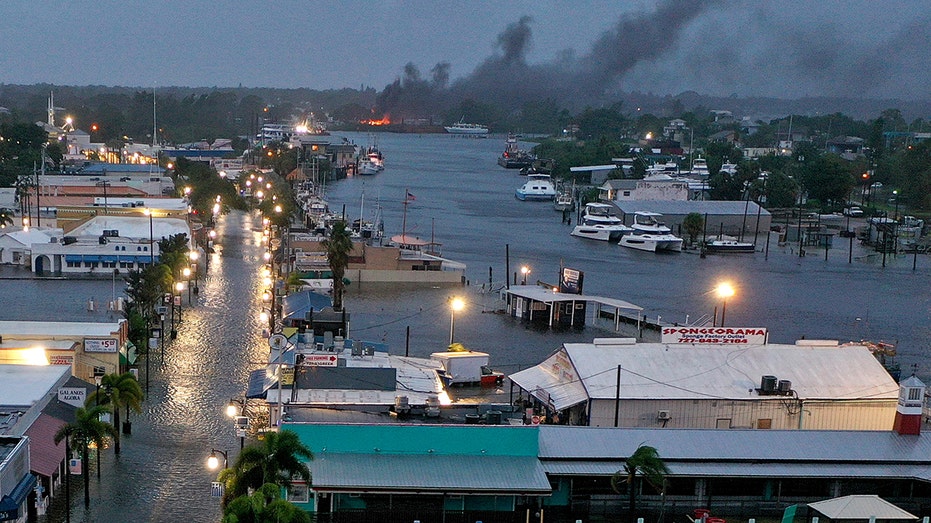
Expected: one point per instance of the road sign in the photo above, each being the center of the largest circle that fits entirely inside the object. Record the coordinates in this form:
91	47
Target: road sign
277	341
320	360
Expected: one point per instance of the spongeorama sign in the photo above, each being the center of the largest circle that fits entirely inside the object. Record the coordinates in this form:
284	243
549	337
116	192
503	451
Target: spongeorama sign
714	335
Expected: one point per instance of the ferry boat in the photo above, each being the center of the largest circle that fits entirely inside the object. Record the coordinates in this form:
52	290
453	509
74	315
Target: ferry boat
467	128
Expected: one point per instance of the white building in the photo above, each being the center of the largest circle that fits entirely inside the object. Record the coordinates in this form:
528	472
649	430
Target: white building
810	385
16	246
659	187
106	243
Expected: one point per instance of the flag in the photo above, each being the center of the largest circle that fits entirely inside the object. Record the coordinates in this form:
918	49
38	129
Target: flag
410	197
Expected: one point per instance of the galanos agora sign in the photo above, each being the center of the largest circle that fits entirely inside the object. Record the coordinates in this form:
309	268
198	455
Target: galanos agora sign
714	335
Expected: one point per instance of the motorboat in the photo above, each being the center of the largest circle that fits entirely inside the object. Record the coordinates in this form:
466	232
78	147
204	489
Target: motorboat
601	232
367	167
513	157
597	213
729	246
539	187
467	128
646	241
649	234
700	167
564	202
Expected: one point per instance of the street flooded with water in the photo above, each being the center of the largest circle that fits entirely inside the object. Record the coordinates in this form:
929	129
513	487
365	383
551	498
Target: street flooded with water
466	201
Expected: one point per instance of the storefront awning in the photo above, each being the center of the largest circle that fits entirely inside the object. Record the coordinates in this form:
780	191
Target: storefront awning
10	504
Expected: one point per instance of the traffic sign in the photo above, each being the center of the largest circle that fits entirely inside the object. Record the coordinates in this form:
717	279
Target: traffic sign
320	360
277	341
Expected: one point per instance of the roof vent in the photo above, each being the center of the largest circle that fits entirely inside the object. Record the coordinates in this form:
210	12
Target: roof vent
768	385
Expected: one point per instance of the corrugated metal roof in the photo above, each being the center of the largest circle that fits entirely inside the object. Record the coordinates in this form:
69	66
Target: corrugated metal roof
552	382
861	507
448	474
713	207
748	470
671	371
755	446
545	294
45	454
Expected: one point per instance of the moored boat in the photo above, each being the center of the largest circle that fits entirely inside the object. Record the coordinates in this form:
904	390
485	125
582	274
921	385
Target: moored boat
538	188
601	232
649	234
513	157
729	246
564	201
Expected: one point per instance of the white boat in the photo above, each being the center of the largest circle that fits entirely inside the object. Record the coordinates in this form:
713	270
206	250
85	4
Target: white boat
539	187
367	167
649	234
564	202
700	167
652	242
597	213
601	232
729	245
467	128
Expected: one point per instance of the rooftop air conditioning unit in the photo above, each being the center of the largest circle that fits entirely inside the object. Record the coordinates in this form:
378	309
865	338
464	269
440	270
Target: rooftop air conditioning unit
663	415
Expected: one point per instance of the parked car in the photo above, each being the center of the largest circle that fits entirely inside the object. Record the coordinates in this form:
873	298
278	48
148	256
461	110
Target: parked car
853	211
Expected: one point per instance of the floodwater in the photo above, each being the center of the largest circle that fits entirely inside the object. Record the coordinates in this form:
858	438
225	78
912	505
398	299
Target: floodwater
464	200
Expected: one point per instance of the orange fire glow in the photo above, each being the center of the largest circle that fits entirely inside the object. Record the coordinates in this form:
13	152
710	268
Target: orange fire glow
385	120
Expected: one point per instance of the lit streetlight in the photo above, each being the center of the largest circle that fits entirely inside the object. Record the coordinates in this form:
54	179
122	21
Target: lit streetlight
524	271
724	291
214	461
455	305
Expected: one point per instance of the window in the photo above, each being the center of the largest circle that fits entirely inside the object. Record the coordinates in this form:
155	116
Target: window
914	394
73	264
298	493
722	423
764	423
626	193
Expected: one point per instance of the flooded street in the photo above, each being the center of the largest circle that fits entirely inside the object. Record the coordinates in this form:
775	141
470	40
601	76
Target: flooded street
161	473
465	200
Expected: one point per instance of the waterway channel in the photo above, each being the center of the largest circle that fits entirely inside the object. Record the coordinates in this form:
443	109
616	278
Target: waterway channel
466	201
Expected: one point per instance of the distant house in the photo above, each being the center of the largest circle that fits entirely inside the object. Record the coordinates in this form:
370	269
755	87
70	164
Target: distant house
847	146
16	246
729	136
593	174
661	187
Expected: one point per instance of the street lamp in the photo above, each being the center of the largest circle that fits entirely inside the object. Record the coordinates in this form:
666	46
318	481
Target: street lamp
455	305
148	212
724	291
524	271
895	196
213	461
236	409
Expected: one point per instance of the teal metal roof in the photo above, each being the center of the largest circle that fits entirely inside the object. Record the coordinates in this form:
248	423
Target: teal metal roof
347	472
426	440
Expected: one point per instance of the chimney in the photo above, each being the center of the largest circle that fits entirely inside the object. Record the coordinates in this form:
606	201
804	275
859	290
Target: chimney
909	410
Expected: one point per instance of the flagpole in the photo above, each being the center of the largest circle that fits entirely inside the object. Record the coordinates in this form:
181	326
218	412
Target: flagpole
404	216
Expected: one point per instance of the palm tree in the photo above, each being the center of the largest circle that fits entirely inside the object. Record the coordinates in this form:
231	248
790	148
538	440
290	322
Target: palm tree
338	247
265	505
646	464
118	391
86	428
275	459
6	217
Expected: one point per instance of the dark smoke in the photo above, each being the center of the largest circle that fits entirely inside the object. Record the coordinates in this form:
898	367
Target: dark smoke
506	79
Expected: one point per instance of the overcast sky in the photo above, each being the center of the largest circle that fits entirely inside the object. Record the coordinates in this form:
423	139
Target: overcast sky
790	48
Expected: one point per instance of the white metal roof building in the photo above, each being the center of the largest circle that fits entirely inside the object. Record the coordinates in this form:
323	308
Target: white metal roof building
617	382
